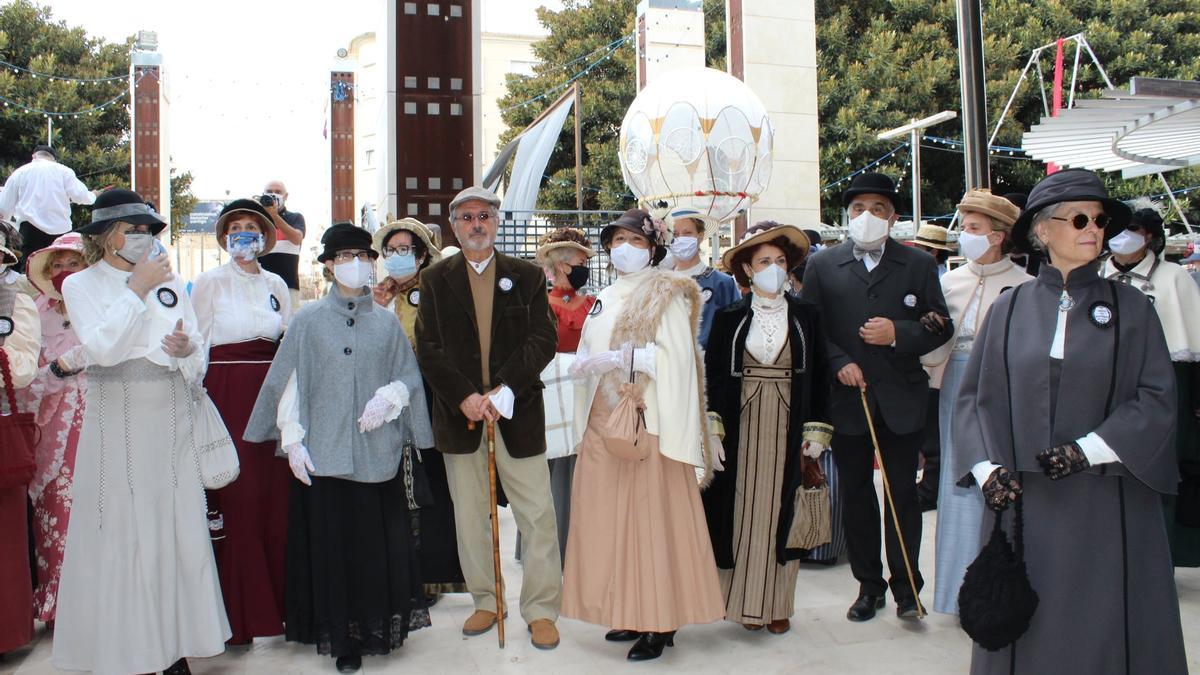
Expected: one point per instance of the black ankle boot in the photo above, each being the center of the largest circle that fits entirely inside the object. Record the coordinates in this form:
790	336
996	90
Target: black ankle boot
349	664
650	646
180	667
621	635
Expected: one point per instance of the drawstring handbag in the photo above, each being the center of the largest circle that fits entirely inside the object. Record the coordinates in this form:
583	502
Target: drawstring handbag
812	520
621	433
216	456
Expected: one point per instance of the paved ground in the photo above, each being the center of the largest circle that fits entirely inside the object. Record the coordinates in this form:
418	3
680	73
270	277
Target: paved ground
821	641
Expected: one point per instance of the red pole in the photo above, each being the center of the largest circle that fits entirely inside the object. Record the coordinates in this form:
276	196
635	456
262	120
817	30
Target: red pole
1056	106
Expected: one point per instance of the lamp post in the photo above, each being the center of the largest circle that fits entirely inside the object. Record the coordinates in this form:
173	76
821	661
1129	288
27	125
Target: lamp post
914	129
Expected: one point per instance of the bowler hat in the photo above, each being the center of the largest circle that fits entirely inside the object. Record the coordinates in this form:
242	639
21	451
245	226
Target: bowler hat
638	221
125	206
253	209
871	184
343	236
1069	185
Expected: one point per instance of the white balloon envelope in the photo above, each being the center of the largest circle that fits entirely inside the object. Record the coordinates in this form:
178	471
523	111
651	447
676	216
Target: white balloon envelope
699	139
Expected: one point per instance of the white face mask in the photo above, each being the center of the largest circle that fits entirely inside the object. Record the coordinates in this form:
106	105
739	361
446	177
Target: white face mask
628	258
868	230
973	246
769	279
136	247
685	248
1127	243
353	274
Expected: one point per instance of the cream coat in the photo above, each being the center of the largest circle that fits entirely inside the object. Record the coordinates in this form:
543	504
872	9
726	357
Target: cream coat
1176	299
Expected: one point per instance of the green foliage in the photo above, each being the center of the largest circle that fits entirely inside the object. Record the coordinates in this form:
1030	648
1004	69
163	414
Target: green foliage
96	146
581	28
714	34
882	63
182	201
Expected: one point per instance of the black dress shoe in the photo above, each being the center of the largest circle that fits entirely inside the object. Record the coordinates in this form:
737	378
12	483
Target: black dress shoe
180	667
622	635
906	607
864	607
349	664
650	646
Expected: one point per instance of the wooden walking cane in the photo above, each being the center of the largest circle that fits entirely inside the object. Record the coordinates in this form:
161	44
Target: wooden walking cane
887	492
491	439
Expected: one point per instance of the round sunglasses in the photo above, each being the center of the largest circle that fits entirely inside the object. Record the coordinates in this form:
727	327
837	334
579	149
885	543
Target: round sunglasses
1081	220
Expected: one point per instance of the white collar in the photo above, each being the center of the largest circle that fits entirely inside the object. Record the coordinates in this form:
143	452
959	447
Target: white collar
695	270
1001	265
237	269
481	267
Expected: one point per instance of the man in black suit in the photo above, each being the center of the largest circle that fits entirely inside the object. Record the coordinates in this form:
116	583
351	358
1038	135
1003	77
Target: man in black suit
882	308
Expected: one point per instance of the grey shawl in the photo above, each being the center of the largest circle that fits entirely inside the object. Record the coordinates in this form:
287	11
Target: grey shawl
342	350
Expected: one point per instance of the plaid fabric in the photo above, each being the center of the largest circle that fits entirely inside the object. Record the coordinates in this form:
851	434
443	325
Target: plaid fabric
559	399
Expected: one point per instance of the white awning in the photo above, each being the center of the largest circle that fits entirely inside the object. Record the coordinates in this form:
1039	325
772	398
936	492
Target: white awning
1153	128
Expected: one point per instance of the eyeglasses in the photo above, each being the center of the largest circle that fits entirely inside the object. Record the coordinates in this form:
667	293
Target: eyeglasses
389	251
469	218
347	256
1081	220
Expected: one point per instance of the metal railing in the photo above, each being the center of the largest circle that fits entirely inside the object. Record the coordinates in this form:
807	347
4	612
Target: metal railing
520	231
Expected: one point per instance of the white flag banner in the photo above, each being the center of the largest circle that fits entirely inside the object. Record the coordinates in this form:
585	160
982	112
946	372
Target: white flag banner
533	153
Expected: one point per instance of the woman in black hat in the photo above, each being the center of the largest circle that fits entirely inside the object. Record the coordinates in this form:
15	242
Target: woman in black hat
353	578
638	559
1068	404
139	589
242	310
1137	260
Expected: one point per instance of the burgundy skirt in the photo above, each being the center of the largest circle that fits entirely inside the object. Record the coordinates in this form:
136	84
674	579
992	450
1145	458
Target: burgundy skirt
16	587
249	517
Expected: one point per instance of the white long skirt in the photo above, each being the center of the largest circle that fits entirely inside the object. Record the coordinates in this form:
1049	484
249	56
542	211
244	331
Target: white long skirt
139	586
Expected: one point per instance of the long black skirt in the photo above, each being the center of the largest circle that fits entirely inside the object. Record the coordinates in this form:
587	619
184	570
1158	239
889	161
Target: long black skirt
353	569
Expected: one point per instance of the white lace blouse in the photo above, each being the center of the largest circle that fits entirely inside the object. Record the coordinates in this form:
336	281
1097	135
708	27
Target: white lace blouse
768	328
233	305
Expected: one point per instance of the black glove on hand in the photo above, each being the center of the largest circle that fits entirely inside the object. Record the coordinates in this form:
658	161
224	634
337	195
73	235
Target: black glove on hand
934	323
1001	489
1062	461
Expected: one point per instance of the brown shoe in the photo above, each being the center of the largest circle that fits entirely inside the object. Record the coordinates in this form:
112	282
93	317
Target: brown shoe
779	626
479	623
544	635
752	626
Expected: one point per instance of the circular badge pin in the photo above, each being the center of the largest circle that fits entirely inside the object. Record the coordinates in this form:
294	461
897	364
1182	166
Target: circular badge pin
910	301
414	297
6	326
274	303
505	284
167	297
596	308
705	294
1101	314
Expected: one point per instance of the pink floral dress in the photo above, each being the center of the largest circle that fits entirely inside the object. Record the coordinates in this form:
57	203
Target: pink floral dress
59	406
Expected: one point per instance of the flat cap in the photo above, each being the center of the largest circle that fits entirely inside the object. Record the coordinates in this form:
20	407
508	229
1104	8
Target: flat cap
475	193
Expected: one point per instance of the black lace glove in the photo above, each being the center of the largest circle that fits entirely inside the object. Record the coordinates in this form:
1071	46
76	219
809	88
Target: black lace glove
1062	461
934	323
1001	489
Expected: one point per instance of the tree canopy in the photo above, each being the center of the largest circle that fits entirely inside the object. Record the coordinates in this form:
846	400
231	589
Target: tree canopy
880	64
95	145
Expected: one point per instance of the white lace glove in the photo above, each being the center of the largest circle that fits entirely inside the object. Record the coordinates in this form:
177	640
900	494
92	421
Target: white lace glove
597	364
300	462
812	449
718	453
385	406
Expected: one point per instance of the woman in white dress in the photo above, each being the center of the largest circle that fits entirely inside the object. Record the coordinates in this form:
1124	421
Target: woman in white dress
139	590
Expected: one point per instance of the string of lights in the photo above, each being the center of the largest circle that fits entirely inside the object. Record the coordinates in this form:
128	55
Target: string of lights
883	158
571	80
10	103
60	78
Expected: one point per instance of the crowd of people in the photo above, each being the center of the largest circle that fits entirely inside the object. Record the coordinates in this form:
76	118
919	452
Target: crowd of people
674	446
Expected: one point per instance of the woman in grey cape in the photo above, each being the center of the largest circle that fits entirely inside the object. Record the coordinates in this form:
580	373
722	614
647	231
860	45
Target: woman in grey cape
1073	413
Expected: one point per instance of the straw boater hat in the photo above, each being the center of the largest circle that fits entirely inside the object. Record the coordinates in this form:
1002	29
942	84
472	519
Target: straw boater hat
563	237
255	210
933	236
418	230
126	206
764	233
38	266
981	200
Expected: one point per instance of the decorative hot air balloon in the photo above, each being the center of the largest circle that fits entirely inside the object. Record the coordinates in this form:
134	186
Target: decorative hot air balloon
700	139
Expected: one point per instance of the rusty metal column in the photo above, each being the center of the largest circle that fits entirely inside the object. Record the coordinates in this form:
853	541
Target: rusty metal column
341	146
974	94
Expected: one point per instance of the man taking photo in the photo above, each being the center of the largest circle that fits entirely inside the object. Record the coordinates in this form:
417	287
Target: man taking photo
284	259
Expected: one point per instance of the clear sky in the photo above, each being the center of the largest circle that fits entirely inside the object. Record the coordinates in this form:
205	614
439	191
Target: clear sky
249	82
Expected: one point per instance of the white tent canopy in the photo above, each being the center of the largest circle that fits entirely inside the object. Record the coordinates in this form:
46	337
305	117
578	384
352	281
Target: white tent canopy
1153	128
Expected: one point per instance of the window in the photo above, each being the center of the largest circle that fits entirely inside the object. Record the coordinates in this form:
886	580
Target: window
456	11
435	83
456	109
410	183
456	184
410	108
410	8
435	183
522	67
435	209
433	109
413	209
456	83
433	9
410	82
369	157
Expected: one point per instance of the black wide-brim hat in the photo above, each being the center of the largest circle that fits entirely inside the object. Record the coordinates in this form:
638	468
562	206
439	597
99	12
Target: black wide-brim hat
125	206
637	221
871	184
344	236
253	209
1069	185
